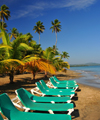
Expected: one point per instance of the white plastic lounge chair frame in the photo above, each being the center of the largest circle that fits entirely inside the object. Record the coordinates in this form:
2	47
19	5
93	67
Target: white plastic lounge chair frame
20	105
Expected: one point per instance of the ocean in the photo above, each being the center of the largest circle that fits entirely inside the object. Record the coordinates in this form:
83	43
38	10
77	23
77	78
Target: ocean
91	75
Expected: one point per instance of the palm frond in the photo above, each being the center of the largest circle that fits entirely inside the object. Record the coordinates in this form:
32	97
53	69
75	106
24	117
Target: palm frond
5	37
24	46
5	41
40	65
29	58
11	61
5	46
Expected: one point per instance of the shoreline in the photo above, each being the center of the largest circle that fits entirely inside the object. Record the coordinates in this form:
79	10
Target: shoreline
89	79
87	105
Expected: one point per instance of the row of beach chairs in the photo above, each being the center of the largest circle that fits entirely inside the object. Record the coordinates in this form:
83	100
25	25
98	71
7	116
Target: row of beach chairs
55	98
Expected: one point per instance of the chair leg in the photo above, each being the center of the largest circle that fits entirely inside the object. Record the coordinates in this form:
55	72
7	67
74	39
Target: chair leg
70	111
27	109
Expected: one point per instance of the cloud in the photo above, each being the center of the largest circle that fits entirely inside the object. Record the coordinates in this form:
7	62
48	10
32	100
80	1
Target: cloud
37	9
30	10
77	4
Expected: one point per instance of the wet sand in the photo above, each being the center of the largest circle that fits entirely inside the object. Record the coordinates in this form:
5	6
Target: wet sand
87	100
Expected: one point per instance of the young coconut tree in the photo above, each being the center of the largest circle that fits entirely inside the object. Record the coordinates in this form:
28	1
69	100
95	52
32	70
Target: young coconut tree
14	33
37	65
64	55
13	57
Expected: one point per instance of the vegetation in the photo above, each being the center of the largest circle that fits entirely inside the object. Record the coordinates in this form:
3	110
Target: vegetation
4	13
56	27
19	52
37	65
14	33
13	57
3	25
87	64
39	28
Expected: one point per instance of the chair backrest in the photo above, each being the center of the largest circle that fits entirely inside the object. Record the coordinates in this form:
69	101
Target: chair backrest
69	81
44	84
1	117
55	78
52	81
24	98
40	87
6	106
28	93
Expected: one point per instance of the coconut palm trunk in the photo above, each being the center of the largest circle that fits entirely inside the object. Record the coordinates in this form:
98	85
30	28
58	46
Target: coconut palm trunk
56	40
39	38
11	76
45	74
55	28
2	23
34	76
39	28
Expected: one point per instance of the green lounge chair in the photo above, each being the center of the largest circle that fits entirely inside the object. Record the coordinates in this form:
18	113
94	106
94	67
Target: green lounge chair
63	86
55	90
40	99
64	81
30	105
54	93
12	113
1	118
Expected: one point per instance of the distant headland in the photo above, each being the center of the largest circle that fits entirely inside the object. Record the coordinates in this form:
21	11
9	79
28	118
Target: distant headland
86	64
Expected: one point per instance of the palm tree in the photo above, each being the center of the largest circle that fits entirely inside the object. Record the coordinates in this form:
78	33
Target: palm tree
4	13
37	65
48	54
64	55
59	64
55	28
13	53
3	26
39	28
30	39
14	33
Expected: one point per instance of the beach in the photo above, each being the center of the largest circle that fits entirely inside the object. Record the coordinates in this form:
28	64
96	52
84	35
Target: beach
87	100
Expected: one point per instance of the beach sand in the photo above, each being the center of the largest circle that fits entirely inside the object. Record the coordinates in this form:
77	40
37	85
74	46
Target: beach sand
87	100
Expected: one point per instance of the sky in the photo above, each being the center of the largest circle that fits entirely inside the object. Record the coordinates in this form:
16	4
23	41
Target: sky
80	25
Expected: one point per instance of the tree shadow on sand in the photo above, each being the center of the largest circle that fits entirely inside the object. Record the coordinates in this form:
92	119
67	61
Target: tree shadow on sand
26	83
61	75
68	76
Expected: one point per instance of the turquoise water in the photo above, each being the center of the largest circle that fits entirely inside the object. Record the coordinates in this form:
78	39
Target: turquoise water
91	75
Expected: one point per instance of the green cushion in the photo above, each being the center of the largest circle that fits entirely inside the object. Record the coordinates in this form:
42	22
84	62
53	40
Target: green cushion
58	85
12	113
55	90
28	103
42	99
48	92
64	81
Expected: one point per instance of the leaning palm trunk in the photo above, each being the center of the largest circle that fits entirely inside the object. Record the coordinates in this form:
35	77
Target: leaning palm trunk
2	22
39	38
34	76
45	74
56	40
